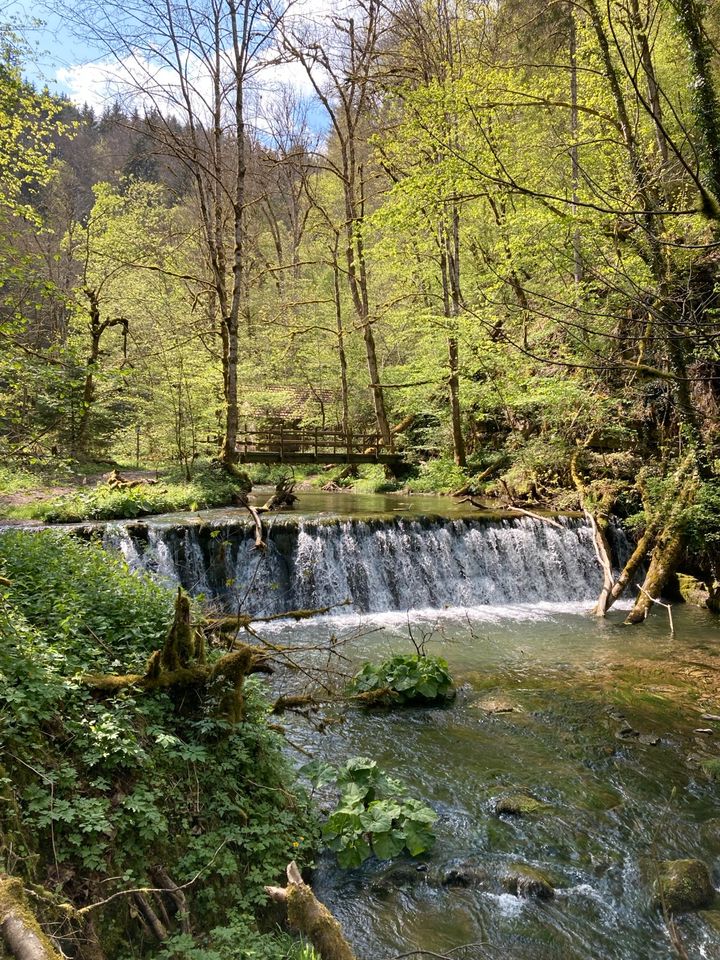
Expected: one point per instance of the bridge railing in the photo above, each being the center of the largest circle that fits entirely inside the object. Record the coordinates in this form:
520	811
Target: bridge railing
285	441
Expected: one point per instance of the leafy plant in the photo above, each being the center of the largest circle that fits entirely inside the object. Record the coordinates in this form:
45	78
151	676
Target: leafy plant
374	815
407	678
103	787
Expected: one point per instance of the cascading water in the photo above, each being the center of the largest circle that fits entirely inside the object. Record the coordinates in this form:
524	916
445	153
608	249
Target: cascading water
378	565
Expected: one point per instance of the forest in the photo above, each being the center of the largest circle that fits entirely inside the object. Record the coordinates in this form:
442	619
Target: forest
478	243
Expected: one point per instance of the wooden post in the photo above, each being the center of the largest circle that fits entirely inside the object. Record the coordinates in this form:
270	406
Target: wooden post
246	438
316	444
282	448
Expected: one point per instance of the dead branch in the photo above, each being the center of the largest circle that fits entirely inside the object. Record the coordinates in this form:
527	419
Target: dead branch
20	930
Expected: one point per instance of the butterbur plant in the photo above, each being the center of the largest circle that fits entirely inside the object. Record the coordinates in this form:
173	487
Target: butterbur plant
405	679
375	814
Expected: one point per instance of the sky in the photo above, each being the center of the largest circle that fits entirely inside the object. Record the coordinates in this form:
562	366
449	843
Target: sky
68	65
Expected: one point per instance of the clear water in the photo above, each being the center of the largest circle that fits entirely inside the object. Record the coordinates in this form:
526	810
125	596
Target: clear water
618	803
601	720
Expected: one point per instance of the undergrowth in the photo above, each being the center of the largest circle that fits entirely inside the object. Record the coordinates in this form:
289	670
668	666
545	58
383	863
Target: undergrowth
97	790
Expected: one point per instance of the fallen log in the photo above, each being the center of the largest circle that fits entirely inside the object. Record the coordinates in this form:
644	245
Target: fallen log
310	917
20	929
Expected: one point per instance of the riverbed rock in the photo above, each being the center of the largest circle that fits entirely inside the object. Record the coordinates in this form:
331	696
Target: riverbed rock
698	593
519	805
464	873
683	885
711	918
526	881
493	705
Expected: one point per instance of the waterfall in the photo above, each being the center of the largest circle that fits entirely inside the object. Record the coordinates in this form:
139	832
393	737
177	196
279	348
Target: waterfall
377	565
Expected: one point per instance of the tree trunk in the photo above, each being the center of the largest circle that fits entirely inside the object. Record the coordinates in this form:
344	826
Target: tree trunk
665	558
310	917
705	102
574	150
344	391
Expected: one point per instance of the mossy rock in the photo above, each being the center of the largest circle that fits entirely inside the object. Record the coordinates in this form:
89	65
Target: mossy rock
711	767
683	885
711	918
698	593
520	805
527	881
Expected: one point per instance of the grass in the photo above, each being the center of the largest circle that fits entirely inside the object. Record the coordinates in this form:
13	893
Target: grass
208	488
16	480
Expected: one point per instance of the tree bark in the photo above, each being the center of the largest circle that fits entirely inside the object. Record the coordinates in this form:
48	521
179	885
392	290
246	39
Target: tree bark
310	917
21	932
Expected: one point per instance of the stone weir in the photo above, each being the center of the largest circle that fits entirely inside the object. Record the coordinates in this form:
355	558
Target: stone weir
376	564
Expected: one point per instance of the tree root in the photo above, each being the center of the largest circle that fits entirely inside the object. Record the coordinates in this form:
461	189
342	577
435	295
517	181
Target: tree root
310	917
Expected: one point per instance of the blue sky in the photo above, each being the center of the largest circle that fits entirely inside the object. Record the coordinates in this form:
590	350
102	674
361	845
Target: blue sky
57	54
71	66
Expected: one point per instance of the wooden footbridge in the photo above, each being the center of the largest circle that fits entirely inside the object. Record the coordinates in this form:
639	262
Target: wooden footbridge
290	444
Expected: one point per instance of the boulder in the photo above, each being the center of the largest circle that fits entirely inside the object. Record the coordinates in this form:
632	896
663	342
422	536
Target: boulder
526	881
463	874
698	593
683	885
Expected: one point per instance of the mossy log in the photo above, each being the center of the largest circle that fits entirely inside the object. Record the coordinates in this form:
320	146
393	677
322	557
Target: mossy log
20	929
310	917
669	544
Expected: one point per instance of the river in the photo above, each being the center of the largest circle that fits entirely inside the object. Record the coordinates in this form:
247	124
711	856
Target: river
604	724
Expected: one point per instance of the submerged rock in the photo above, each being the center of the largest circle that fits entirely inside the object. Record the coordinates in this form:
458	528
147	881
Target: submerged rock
494	705
519	805
683	885
527	881
463	874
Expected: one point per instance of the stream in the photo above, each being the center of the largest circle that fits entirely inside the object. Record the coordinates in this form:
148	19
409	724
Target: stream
598	721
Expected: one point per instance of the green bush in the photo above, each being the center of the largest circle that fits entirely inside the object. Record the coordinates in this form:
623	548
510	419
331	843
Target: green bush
438	476
375	815
407	678
96	787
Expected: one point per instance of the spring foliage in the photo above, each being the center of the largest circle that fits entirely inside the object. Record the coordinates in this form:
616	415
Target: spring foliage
375	814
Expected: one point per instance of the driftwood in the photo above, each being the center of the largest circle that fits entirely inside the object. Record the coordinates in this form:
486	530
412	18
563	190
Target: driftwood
310	917
20	929
116	481
520	510
283	496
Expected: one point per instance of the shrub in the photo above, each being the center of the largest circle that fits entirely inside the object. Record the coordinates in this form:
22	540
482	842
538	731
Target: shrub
374	815
438	476
208	488
407	678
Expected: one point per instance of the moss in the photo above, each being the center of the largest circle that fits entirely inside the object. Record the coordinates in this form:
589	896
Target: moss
314	920
682	886
14	903
526	881
179	647
712	768
519	805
